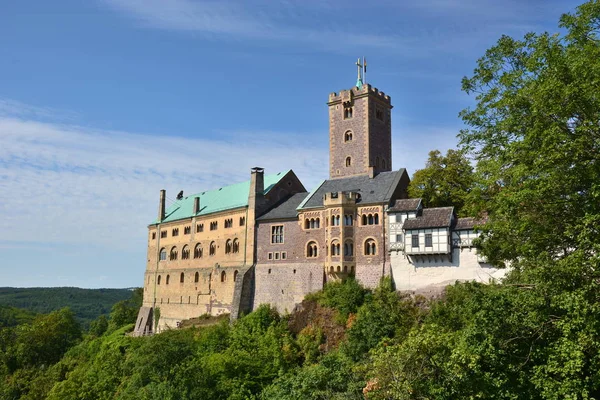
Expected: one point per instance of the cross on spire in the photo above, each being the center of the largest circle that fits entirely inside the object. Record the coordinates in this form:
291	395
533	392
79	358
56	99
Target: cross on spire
361	70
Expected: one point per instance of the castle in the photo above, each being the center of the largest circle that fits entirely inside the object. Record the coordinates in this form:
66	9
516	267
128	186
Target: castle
268	240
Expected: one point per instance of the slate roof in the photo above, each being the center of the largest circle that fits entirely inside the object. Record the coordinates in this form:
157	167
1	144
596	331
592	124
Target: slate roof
438	217
225	198
378	189
405	205
468	223
286	209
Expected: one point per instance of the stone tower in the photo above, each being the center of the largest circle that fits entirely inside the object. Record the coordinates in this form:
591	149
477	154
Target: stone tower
360	132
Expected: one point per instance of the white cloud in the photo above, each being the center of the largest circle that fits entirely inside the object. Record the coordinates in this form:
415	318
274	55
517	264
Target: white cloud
72	184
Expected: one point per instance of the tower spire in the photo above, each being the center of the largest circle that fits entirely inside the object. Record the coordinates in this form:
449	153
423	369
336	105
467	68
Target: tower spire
359	69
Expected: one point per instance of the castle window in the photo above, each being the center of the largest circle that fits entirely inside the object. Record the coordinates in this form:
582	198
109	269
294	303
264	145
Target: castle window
283	255
173	254
214	225
242	221
163	234
229	223
379	114
212	249
383	163
335	249
364	219
198	251
348	161
236	246
163	254
415	240
187	230
167	280
377	161
228	246
196	277
335	220
348	249
370	247
277	255
153	235
277	234
376	219
182	278
223	276
312	250
347	112
348	220
158	280
185	252
175	232
348	136
428	240
270	256
235	275
370	219
199	227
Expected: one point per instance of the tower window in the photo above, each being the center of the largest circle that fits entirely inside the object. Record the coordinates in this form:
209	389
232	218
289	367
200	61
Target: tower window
347	112
242	221
163	254
153	235
370	247
348	161
348	136
379	114
175	231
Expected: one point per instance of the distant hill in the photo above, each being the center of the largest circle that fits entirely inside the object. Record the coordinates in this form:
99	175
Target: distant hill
87	304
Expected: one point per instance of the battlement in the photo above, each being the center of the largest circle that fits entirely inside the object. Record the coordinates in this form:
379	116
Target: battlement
365	90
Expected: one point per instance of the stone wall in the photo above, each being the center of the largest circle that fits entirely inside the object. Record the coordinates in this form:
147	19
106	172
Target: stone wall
431	272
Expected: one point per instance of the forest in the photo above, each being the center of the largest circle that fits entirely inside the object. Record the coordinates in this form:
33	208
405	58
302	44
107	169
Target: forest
533	138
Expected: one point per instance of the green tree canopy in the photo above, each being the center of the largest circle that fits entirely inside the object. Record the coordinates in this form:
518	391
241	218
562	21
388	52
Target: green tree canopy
535	133
445	180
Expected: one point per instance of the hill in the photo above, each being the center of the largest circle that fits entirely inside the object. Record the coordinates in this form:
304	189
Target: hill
86	304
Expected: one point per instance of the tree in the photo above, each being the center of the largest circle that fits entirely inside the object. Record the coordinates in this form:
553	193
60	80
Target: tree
445	180
535	133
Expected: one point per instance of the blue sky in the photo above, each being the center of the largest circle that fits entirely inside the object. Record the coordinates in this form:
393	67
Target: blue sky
105	102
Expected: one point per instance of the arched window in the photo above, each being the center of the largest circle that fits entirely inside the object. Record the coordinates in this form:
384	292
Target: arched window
348	136
376	219
370	219
173	254
212	249
348	249
182	278
198	251
312	223
236	246
196	277
348	220
312	250
348	161
347	112
383	163
370	247
163	254
364	219
235	274
167	280
377	161
185	252
306	223
335	220
223	276
335	249
317	223
228	246
158	280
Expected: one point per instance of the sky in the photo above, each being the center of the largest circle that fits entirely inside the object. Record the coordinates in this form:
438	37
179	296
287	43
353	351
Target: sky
105	102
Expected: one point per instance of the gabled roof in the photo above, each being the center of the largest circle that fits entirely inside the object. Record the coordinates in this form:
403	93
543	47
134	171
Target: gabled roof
467	223
438	217
211	201
286	209
403	205
376	190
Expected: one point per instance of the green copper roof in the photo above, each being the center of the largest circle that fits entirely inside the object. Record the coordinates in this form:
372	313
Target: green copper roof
211	201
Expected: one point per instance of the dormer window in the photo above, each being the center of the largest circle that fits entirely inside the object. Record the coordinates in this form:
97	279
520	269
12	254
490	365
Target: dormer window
347	112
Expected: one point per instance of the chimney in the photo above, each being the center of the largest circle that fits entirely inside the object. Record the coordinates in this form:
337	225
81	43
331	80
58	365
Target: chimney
371	172
196	205
161	206
256	198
